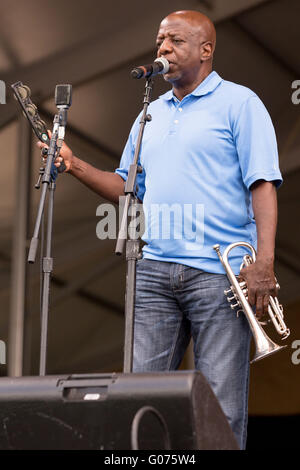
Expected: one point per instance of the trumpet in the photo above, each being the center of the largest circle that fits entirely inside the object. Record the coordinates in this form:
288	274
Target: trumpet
239	293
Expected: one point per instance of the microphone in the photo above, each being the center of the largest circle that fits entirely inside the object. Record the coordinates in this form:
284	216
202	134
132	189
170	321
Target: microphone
63	95
160	65
63	100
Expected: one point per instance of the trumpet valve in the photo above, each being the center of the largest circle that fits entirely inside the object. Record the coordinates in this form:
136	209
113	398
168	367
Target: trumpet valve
233	306
243	284
229	291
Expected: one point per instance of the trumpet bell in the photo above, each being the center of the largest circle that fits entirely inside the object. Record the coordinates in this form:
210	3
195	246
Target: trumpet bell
272	349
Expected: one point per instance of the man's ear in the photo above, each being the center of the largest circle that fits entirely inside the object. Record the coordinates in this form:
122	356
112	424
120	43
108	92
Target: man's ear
207	51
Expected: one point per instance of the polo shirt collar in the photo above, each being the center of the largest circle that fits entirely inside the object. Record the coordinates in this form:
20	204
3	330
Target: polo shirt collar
207	86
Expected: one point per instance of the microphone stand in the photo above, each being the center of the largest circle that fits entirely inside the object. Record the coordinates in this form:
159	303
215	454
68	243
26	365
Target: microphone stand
132	244
48	183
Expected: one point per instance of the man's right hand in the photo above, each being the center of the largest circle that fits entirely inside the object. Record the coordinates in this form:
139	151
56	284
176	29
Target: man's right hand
107	184
65	155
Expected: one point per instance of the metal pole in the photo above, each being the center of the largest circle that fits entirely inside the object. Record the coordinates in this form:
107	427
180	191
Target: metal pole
19	262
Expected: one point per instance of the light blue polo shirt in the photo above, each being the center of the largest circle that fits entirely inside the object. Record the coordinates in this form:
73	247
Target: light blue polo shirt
199	158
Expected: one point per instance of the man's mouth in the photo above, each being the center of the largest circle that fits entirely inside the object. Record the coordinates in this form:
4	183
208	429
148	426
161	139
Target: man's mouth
171	63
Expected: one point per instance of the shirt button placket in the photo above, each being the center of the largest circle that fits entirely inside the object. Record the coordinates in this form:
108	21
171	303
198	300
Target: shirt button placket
173	128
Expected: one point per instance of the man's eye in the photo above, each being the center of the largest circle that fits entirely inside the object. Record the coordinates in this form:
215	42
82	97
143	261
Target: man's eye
177	41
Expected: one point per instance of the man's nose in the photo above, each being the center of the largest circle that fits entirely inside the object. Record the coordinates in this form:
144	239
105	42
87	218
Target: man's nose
165	47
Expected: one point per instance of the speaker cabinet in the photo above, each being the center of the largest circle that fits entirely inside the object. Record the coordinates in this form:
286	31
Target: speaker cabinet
169	410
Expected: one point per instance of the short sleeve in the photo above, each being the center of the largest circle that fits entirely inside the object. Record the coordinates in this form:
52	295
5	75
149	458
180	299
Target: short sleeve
126	161
256	143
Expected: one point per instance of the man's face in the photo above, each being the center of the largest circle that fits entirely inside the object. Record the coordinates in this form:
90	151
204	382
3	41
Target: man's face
179	42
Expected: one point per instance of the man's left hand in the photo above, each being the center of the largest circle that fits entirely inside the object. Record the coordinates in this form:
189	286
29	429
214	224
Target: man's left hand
261	283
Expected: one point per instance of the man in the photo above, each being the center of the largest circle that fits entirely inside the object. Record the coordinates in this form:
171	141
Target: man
210	149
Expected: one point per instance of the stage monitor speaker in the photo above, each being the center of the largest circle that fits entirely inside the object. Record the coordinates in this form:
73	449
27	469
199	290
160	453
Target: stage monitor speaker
149	411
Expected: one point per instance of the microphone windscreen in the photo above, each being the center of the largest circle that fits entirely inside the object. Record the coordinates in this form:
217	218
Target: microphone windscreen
63	95
164	64
136	73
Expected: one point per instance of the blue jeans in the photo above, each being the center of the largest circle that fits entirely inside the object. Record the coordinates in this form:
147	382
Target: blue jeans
175	302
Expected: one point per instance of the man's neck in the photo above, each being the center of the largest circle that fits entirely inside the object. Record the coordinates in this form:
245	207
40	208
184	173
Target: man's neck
181	90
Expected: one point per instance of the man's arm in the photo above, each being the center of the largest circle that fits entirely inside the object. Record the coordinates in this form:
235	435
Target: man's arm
107	184
260	275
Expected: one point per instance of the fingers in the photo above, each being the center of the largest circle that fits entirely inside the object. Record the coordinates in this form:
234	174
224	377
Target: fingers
266	301
58	161
262	304
259	299
261	284
65	157
251	296
259	307
41	145
274	290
